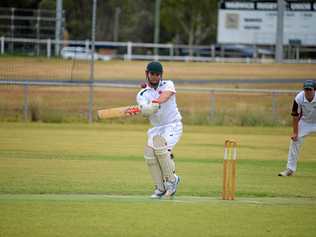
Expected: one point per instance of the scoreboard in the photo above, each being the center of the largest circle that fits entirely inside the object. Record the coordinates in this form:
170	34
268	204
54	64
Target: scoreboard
255	22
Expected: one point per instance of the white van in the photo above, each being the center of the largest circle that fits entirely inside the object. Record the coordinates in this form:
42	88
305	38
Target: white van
81	53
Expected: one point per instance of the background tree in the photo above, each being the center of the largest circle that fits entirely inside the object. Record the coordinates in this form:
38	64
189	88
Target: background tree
31	4
137	21
191	22
182	21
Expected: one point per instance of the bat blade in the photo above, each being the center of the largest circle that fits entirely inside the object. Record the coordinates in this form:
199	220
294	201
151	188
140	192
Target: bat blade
118	112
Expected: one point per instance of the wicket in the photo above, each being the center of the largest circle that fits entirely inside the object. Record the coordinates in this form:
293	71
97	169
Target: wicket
229	176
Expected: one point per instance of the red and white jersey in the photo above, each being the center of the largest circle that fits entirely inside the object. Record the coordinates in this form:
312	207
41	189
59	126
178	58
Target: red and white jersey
168	112
304	108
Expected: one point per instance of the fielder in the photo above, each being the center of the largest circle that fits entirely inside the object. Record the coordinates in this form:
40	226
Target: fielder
304	123
157	101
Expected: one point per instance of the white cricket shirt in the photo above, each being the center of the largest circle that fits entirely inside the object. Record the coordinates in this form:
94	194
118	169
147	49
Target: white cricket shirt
168	112
306	108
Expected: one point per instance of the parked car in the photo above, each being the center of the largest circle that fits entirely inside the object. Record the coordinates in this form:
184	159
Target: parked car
81	53
244	51
103	57
231	51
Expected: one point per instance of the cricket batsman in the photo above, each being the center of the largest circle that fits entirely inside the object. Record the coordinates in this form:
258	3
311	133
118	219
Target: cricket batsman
157	101
304	123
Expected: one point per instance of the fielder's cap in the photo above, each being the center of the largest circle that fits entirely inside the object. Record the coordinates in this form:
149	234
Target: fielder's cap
309	84
154	66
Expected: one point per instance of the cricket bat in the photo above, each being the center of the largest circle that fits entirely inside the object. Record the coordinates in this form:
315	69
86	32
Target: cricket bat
118	112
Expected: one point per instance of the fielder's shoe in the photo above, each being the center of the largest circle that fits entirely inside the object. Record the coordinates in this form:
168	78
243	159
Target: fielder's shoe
157	193
172	187
287	172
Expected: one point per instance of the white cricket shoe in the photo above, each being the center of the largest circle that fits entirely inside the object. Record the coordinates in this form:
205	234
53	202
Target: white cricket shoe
287	172
157	193
172	187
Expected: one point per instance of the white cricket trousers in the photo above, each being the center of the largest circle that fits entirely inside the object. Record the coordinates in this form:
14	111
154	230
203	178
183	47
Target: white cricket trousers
171	132
303	130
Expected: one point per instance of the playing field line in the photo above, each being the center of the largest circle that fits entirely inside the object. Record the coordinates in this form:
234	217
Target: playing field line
142	198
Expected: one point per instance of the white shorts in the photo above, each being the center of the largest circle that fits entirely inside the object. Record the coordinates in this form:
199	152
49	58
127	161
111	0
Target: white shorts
171	132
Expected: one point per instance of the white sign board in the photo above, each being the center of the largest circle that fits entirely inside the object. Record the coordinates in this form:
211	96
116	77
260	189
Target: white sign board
259	26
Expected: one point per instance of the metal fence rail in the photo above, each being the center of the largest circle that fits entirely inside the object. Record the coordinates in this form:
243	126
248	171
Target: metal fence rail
145	51
126	86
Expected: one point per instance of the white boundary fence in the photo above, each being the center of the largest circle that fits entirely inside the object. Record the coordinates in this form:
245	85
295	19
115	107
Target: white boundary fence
211	91
169	52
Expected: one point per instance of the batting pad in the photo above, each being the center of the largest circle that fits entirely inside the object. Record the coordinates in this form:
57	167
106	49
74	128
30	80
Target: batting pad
154	167
163	155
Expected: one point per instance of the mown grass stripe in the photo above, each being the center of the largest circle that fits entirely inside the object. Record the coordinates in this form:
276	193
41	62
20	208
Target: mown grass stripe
144	198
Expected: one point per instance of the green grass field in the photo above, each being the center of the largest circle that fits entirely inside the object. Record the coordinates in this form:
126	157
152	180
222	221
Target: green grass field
91	180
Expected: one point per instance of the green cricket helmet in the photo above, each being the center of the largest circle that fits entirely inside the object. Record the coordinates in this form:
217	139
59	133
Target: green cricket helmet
154	67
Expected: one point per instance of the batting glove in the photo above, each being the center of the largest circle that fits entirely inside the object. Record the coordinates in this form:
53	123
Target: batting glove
149	109
132	111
